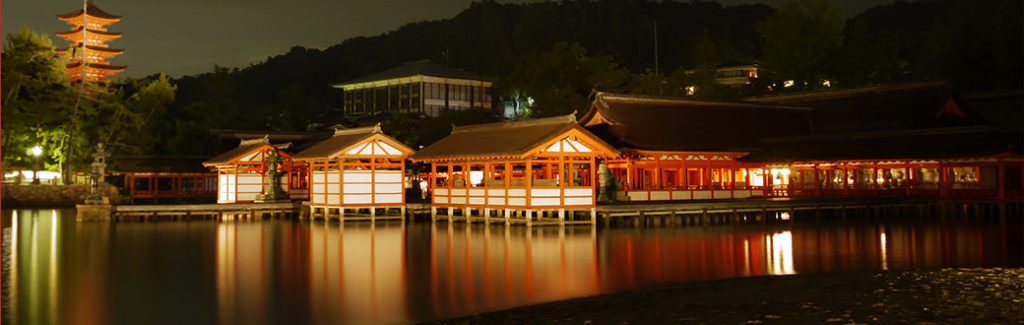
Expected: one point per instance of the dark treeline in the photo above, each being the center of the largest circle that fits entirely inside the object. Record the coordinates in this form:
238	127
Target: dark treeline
976	45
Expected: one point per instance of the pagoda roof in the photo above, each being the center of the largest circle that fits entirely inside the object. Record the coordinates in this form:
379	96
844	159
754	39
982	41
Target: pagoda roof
676	124
503	139
98	66
91	31
93	11
92	48
415	68
345	138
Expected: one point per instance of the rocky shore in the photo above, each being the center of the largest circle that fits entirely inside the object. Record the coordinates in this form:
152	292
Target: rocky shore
947	296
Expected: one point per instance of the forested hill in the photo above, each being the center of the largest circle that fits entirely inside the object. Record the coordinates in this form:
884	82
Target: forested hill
975	44
488	37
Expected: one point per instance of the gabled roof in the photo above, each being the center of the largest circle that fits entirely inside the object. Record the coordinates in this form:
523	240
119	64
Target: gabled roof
415	68
675	124
503	139
937	143
344	139
883	107
93	11
244	148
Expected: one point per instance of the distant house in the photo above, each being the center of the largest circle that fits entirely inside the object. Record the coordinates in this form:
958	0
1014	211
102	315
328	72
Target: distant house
418	87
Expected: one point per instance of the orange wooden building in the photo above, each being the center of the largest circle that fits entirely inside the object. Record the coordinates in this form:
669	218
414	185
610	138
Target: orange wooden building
88	50
680	149
542	166
241	172
355	169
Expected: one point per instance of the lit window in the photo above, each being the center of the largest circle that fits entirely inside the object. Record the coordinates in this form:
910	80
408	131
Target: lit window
787	83
690	90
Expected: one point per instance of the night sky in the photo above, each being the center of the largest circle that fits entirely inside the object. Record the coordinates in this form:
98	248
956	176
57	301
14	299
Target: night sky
181	37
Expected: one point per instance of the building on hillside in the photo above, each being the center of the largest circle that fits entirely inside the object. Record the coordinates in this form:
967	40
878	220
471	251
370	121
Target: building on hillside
418	87
163	179
88	50
680	149
536	166
355	169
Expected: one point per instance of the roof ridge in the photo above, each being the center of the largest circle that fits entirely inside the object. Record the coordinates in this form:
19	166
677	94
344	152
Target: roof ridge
605	97
566	119
246	142
838	93
366	129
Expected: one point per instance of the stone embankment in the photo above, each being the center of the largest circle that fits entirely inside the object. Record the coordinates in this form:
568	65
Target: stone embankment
21	196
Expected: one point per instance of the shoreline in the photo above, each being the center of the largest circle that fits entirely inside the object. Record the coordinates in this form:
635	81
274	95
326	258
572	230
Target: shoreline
962	296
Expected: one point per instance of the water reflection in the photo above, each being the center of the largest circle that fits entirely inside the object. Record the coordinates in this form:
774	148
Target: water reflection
245	272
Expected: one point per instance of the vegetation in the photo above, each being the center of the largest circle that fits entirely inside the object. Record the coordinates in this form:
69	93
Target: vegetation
548	57
42	108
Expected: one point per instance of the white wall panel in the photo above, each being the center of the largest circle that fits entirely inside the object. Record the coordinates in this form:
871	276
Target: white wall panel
440	191
517	201
388	198
389	176
358	198
517	192
495	192
459	191
569	201
357	188
441	199
496	201
357	176
579	192
388	188
545	201
545	192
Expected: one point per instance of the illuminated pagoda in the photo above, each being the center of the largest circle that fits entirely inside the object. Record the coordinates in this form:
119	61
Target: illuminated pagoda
91	61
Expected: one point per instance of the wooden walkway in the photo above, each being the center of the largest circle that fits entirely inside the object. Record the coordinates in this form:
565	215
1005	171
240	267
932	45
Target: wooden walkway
207	211
760	208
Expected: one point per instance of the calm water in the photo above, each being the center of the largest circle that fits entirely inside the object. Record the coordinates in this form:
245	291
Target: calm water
58	271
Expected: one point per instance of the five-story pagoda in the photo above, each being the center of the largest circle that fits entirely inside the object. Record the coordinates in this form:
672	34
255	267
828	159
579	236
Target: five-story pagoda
90	55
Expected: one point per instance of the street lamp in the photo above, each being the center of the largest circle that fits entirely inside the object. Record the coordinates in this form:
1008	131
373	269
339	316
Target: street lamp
36	152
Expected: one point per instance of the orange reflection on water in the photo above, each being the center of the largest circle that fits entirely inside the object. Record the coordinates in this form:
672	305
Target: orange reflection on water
280	271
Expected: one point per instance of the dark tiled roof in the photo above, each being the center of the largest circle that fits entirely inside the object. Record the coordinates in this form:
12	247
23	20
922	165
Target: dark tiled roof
153	164
999	107
880	108
93	10
673	124
937	143
409	69
503	139
343	138
245	147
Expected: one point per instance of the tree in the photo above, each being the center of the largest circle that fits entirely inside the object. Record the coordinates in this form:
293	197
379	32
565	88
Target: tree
799	38
35	95
868	57
705	57
559	81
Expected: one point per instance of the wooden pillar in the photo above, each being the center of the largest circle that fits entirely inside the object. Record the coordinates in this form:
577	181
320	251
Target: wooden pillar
1001	179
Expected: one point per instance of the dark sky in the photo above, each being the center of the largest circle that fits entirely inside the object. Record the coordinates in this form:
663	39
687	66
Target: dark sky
189	36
